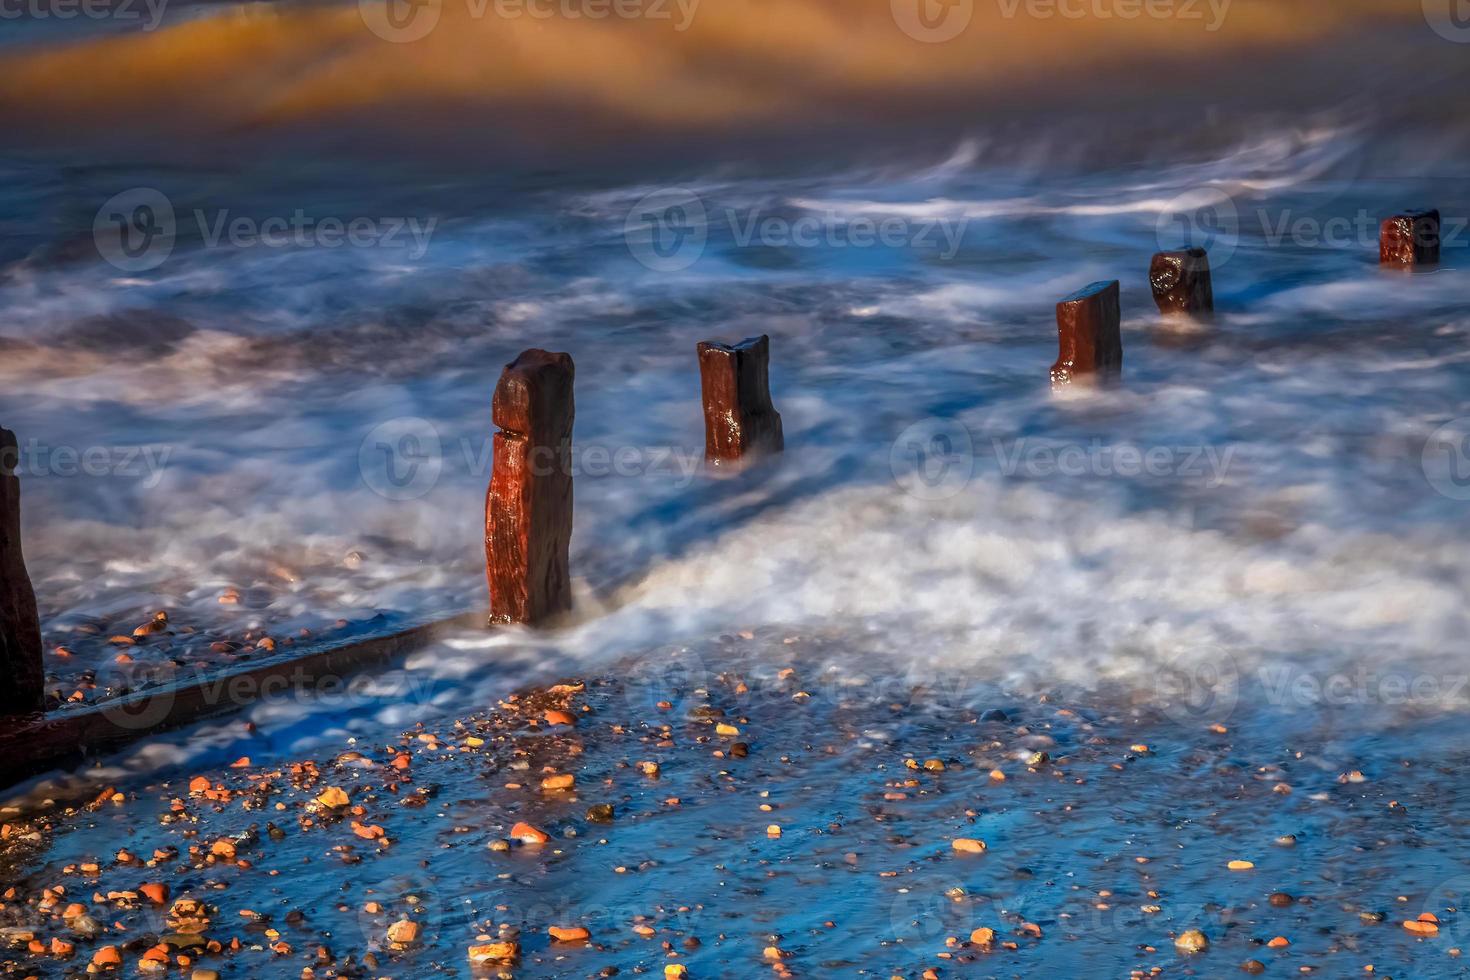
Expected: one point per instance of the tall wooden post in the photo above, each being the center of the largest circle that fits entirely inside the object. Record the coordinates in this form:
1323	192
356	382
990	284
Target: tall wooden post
22	672
528	507
739	419
1409	239
1181	282
1089	338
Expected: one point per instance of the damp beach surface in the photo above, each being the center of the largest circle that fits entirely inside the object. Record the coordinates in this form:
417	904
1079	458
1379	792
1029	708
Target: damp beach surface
785	813
1161	679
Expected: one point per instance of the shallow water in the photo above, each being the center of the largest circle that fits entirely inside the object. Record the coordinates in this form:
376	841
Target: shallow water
1265	486
1261	531
1108	832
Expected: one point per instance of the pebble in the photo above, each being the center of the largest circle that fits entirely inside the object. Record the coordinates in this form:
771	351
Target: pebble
1192	941
569	934
495	952
527	834
969	845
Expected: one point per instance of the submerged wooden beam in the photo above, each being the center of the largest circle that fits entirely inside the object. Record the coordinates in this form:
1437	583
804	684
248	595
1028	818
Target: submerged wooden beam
22	670
739	420
31	746
528	506
1089	338
1181	282
1409	239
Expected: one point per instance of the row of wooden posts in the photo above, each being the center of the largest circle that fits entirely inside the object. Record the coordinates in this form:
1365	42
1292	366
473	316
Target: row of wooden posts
528	506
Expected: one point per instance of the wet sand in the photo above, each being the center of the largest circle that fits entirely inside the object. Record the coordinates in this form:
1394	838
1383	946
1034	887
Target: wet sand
775	803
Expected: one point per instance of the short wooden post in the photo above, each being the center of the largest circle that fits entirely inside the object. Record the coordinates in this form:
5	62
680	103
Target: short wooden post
739	420
1089	337
1181	282
528	507
1409	239
22	670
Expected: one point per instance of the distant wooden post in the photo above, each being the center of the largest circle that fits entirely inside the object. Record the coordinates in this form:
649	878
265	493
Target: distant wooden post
1409	239
1089	337
22	671
739	420
528	508
1181	282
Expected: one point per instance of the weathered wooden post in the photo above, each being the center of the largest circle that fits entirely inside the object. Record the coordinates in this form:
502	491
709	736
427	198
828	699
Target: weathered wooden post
528	508
1181	282
22	671
1089	337
739	420
1409	239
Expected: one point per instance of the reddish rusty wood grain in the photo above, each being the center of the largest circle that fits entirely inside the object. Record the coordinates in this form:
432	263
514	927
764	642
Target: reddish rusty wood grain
1090	343
22	674
528	507
1181	282
1409	239
739	420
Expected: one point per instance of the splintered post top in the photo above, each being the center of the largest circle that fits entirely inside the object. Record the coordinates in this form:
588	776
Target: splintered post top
534	396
